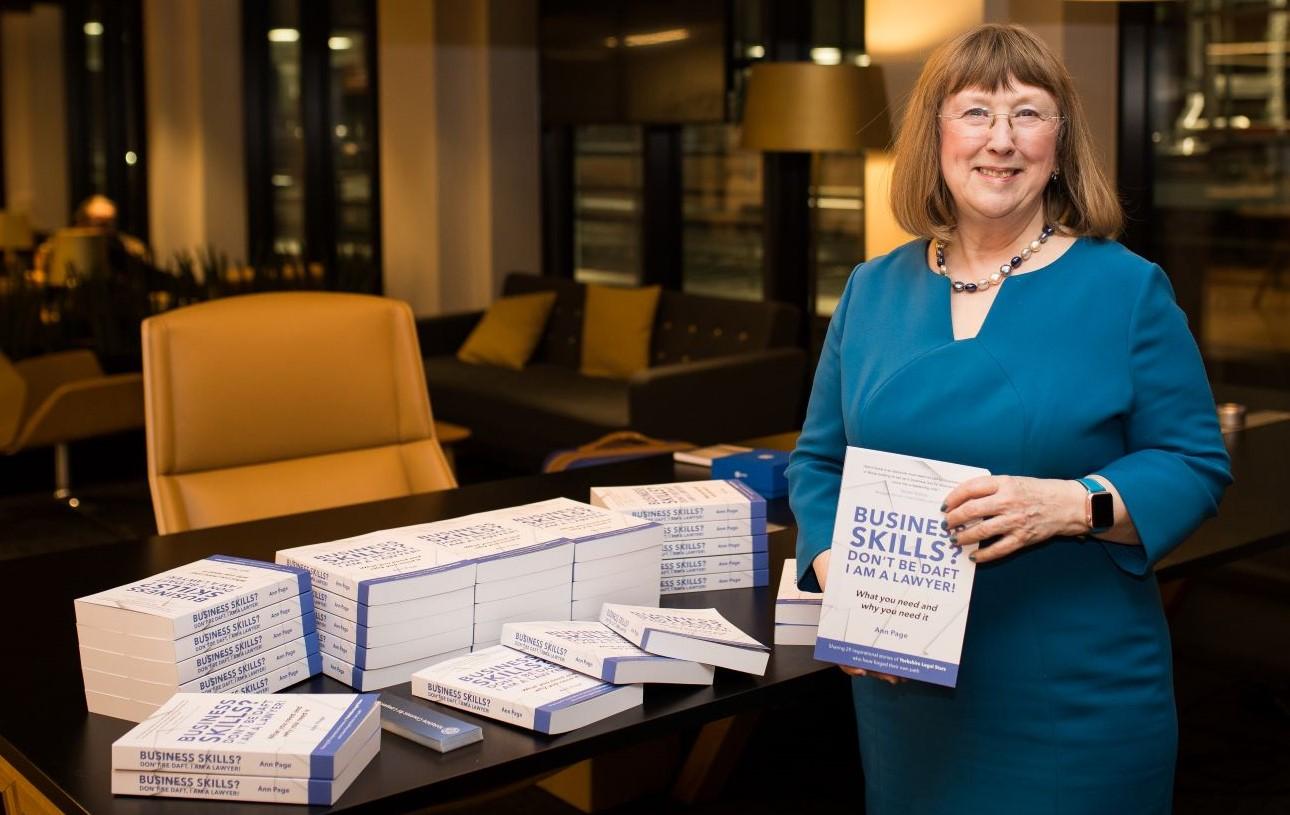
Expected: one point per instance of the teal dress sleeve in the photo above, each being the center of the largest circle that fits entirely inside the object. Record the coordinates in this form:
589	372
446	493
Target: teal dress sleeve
1177	467
815	467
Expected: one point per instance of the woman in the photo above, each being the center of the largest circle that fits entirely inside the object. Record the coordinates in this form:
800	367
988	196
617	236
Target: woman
1016	337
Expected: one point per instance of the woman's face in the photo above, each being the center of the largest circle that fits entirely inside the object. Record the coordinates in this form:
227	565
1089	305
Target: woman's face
996	166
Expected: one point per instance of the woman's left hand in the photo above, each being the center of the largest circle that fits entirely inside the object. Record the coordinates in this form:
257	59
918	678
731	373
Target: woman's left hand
1014	511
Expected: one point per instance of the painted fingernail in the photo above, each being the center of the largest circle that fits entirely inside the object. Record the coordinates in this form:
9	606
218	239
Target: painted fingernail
954	539
945	527
972	557
943	506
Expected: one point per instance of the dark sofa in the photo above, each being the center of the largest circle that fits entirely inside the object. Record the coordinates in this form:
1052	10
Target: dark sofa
720	370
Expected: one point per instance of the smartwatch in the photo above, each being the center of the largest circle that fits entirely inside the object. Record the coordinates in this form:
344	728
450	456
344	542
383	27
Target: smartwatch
1099	507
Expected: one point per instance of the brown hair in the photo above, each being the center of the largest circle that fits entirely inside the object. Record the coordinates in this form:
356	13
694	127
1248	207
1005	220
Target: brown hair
991	57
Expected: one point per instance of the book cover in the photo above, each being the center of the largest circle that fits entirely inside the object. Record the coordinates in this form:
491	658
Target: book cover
390	613
595	649
897	595
380	567
596	532
510	686
697	634
715	564
167	650
413	719
721	581
499	547
708	547
703	530
296	735
191	598
792	605
683	502
265	789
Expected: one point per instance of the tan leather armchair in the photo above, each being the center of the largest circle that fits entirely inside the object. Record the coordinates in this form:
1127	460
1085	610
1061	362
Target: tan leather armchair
55	399
271	404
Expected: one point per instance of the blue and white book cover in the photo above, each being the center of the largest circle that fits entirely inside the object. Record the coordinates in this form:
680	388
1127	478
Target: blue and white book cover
792	605
709	547
261	788
191	598
595	531
702	530
511	686
597	650
427	725
697	634
382	567
718	581
296	735
684	501
715	564
897	595
499	547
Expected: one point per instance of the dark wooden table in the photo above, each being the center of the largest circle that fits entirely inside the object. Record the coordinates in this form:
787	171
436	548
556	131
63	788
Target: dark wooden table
46	734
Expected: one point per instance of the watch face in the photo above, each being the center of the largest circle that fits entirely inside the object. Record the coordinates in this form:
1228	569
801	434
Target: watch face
1103	510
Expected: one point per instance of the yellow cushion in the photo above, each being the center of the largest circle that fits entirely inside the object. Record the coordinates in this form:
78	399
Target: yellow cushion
509	331
616	328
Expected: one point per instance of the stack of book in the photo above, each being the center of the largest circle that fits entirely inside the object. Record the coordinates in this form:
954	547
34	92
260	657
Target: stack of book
616	557
797	612
219	625
291	748
714	532
521	689
388	603
697	634
520	575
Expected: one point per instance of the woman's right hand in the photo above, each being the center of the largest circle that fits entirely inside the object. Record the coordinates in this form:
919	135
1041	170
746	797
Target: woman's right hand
821	567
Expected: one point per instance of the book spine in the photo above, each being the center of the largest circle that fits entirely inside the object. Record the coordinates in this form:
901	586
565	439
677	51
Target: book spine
239	627
222	787
727	528
694	514
710	547
627	627
322	578
714	582
243	672
715	565
196	759
237	606
473	700
582	660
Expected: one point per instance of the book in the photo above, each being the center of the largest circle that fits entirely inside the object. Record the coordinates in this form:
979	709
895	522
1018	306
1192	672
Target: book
409	717
167	650
510	686
397	653
701	530
703	456
381	568
620	581
683	502
394	633
722	581
360	679
508	607
191	598
388	613
697	634
647	559
523	584
499	547
715	564
897	595
294	735
177	673
594	649
708	547
265	789
793	634
596	532
794	606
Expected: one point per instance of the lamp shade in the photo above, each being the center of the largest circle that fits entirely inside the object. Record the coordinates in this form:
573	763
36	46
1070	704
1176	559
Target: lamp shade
81	251
15	231
807	108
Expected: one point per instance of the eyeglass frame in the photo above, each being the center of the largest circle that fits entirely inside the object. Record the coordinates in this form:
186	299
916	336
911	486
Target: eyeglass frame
1056	117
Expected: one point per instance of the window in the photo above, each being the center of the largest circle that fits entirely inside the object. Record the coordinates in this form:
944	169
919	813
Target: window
722	211
607	168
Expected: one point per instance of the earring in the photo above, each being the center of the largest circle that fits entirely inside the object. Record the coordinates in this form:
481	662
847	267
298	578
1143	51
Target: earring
1053	178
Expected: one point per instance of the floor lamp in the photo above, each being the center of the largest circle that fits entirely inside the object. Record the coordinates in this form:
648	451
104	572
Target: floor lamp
806	109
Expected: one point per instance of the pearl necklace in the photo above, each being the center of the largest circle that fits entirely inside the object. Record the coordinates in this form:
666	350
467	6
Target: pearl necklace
999	276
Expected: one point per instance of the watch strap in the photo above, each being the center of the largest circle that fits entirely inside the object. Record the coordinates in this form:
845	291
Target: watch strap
1093	487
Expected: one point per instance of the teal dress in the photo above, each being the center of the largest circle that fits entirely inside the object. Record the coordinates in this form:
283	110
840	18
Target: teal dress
1064	702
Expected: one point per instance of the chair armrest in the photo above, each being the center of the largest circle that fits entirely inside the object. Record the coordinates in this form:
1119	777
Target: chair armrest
45	373
721	399
84	408
445	334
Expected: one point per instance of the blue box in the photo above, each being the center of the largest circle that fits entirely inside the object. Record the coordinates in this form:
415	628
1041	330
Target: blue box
763	470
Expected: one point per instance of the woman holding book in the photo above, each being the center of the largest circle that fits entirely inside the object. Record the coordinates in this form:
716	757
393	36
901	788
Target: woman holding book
1016	336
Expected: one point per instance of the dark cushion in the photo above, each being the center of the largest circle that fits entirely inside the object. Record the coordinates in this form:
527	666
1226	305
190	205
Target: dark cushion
539	387
562	342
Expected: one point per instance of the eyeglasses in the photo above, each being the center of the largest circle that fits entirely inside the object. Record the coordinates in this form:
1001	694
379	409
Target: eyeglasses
978	121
